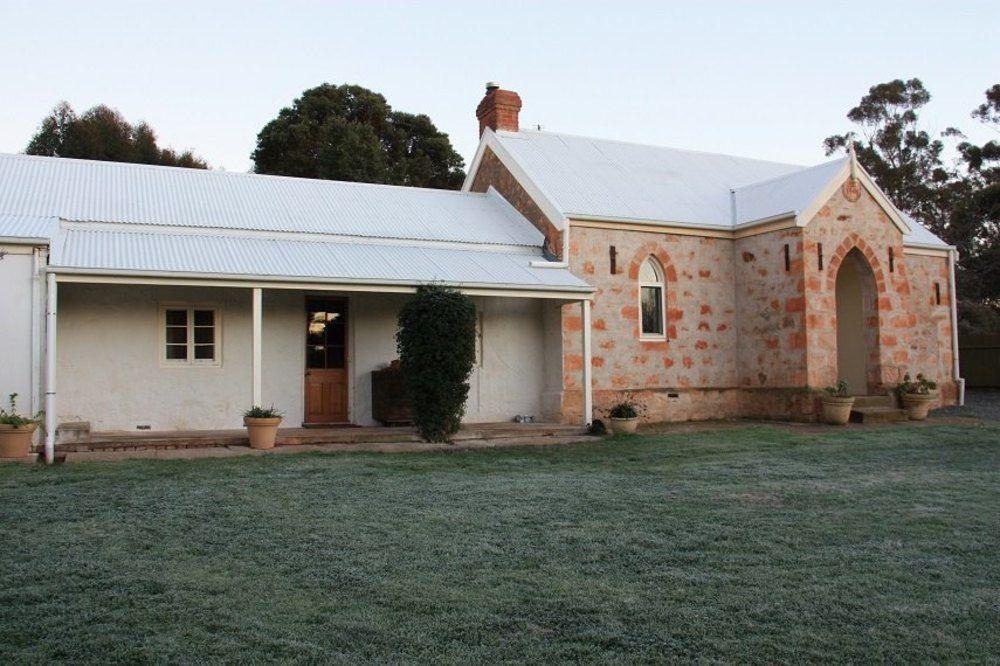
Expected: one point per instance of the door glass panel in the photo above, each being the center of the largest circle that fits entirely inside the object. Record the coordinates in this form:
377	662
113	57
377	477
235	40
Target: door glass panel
316	356
325	334
334	357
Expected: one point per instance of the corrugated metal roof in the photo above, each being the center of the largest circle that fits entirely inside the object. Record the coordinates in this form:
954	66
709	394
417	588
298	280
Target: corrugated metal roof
921	235
613	179
600	178
88	190
229	254
28	227
792	193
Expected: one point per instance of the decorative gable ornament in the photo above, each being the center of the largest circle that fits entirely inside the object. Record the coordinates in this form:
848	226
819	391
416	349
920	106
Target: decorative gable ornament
851	189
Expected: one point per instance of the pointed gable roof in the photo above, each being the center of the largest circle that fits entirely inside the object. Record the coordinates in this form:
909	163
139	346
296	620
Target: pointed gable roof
598	179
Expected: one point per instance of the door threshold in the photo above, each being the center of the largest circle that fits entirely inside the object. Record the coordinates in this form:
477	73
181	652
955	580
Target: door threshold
332	424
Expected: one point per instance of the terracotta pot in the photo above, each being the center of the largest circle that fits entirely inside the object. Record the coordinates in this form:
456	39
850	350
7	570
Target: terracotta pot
836	409
16	442
917	404
262	432
624	426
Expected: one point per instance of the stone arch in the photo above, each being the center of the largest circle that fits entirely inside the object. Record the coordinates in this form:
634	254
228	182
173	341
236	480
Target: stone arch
856	294
655	250
852	242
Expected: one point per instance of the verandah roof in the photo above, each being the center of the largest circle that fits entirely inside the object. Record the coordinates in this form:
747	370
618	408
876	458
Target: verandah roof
110	250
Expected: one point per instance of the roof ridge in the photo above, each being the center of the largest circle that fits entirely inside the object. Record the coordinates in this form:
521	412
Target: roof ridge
789	175
289	236
222	173
507	133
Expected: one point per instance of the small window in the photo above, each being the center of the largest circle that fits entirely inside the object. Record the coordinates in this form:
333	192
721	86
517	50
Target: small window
651	303
190	336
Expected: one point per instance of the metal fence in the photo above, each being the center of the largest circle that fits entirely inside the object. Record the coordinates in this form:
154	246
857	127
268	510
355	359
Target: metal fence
980	359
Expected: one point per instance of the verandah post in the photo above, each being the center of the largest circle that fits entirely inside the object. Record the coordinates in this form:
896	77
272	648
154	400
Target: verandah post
588	394
257	348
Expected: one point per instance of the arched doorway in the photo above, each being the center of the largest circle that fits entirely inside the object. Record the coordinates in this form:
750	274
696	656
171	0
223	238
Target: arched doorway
857	323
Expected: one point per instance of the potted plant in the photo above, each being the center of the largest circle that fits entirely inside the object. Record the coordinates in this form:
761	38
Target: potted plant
916	396
837	404
16	430
624	415
262	426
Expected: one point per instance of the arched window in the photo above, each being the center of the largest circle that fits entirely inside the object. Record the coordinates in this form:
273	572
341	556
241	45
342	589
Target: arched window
651	299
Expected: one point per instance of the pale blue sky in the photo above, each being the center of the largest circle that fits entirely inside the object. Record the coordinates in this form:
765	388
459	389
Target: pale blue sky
767	80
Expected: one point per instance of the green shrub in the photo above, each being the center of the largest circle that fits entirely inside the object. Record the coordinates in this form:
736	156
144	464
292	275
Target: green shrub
258	412
436	341
11	417
922	386
838	390
628	407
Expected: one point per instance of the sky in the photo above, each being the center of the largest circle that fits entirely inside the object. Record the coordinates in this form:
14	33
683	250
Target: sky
759	79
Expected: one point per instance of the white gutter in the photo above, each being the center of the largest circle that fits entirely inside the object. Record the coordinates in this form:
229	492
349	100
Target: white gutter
51	301
956	375
250	280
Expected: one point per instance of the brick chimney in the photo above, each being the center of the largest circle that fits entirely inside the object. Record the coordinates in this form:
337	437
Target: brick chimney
499	109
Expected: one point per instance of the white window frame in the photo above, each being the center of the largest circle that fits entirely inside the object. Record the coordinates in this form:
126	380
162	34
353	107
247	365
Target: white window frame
190	361
661	284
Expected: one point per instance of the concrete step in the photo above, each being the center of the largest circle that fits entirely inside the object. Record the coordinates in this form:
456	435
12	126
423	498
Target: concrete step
874	401
877	415
310	436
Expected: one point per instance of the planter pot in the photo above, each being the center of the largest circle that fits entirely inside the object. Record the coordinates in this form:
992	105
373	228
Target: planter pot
917	404
624	426
836	410
16	442
262	432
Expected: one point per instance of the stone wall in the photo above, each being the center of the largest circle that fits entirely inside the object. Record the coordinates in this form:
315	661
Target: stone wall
914	333
689	375
493	172
771	308
746	333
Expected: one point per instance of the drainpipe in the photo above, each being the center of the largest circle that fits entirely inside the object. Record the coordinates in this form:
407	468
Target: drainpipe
51	303
956	374
36	330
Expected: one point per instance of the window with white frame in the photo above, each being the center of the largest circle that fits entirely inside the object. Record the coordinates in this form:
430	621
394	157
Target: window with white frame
652	303
190	335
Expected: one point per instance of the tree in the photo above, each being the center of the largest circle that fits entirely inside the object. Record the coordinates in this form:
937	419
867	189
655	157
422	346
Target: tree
436	341
102	133
903	159
960	203
977	216
351	133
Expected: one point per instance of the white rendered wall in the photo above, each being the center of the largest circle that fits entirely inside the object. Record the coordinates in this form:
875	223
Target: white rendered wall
16	311
110	372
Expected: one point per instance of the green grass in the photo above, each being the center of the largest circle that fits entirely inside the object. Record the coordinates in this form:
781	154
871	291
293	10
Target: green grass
750	544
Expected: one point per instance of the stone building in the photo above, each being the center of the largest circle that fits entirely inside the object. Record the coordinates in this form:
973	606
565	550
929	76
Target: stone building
153	298
725	286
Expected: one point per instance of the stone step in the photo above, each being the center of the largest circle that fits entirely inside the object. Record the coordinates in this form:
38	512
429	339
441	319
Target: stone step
73	432
301	436
873	401
877	415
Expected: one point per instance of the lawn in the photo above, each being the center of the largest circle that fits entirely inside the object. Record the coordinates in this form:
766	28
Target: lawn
748	544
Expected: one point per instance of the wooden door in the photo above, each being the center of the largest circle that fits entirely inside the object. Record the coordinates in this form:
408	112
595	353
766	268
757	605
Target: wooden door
326	361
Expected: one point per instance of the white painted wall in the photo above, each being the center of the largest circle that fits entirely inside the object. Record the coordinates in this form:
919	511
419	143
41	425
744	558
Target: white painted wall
16	312
110	373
